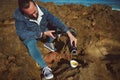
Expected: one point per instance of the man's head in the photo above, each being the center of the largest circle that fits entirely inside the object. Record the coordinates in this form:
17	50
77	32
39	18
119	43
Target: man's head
28	8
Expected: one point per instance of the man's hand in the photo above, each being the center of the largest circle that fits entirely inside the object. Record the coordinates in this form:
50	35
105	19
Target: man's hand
50	33
72	39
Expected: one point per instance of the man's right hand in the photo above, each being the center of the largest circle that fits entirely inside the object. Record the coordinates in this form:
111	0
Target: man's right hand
49	33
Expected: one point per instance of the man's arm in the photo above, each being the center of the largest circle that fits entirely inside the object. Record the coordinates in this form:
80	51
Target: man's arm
25	34
58	23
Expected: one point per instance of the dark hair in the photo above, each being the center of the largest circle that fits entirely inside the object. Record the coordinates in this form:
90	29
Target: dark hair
24	4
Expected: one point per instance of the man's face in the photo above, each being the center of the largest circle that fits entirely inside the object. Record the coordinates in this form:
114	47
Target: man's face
32	11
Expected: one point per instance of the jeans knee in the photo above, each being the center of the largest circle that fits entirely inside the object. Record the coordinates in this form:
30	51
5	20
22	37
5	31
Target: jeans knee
31	44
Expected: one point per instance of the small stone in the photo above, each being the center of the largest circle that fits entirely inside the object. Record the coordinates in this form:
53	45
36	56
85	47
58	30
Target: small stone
11	58
70	78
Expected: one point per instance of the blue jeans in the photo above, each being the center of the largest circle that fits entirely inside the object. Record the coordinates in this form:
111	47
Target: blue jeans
35	52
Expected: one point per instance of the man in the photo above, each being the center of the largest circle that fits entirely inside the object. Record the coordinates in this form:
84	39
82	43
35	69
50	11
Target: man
32	23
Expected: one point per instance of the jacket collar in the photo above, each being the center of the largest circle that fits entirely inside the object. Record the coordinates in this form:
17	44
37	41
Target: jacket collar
40	13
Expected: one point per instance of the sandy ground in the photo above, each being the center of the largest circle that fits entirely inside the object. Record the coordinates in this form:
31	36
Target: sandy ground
98	31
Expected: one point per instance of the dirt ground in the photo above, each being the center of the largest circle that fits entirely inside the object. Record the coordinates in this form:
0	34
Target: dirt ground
98	34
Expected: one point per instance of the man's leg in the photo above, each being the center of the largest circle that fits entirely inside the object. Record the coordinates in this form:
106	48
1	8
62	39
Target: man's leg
49	44
37	56
34	52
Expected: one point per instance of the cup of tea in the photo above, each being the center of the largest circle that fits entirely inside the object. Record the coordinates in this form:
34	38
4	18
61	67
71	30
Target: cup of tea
73	63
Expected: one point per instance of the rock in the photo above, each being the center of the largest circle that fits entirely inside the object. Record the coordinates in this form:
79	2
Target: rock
98	28
55	57
11	58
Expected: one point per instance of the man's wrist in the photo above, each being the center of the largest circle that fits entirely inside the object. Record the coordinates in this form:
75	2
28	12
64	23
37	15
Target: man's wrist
68	33
43	34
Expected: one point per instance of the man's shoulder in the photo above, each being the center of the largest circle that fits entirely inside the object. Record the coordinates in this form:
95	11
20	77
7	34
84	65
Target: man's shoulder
18	15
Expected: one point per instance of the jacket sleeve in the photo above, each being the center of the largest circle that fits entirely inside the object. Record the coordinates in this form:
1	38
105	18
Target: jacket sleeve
24	33
56	22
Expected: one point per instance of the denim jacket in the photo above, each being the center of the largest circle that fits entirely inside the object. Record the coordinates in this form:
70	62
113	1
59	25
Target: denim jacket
27	30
